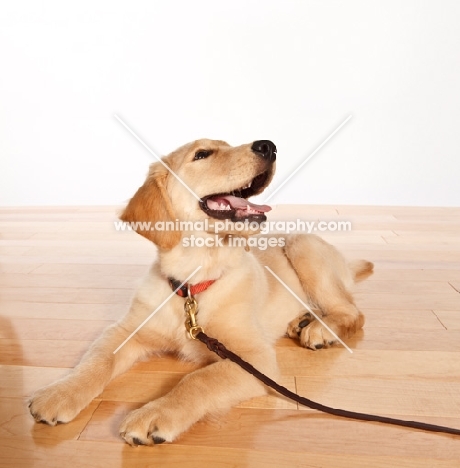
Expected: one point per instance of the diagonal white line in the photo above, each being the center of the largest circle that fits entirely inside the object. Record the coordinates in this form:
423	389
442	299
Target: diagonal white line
158	158
309	157
306	307
154	312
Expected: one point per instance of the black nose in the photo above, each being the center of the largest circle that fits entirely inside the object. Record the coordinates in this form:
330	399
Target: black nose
265	148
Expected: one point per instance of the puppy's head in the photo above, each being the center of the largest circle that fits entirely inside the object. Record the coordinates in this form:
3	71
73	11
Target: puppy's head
203	179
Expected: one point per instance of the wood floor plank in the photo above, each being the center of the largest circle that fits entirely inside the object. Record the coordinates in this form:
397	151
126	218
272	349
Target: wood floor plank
53	329
12	268
101	235
379	300
49	353
66	280
30	227
415	275
406	287
449	318
406	340
415	398
415	264
8	236
65	295
105	270
408	319
13	250
419	212
361	237
127	259
336	362
435	253
60	310
48	454
84	250
21	381
427	237
365	223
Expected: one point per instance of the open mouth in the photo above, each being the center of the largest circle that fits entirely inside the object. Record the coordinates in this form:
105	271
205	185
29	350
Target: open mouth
234	205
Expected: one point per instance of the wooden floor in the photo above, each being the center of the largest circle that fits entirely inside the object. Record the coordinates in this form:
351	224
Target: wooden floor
65	274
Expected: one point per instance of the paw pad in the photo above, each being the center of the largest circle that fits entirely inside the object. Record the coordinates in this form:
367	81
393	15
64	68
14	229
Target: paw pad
158	440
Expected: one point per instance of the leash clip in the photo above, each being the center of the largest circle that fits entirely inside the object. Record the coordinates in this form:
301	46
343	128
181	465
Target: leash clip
191	310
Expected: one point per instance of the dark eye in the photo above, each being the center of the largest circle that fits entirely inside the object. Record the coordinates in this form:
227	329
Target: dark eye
202	154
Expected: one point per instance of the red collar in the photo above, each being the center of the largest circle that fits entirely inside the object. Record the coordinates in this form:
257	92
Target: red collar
194	288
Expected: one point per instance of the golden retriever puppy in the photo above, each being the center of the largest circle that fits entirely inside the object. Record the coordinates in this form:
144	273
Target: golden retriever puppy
205	185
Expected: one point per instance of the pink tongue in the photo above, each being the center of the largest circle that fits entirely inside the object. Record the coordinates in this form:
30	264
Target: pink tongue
242	204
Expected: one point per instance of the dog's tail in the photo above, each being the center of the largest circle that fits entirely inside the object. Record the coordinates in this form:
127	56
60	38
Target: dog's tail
361	269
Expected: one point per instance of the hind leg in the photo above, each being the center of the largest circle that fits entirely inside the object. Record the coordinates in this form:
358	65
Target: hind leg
296	326
325	277
342	321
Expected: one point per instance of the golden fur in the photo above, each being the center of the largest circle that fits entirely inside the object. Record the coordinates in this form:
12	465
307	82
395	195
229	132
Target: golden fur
246	308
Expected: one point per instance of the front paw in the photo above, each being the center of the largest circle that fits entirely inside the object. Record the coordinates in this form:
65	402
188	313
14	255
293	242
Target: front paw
149	425
56	403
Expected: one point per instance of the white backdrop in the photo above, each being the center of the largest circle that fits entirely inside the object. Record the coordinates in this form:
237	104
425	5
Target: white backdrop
240	70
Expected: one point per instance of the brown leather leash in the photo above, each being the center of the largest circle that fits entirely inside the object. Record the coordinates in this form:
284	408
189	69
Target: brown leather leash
196	332
218	348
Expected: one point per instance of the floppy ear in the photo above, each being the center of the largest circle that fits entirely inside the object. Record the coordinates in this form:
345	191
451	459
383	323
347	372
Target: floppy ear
151	203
